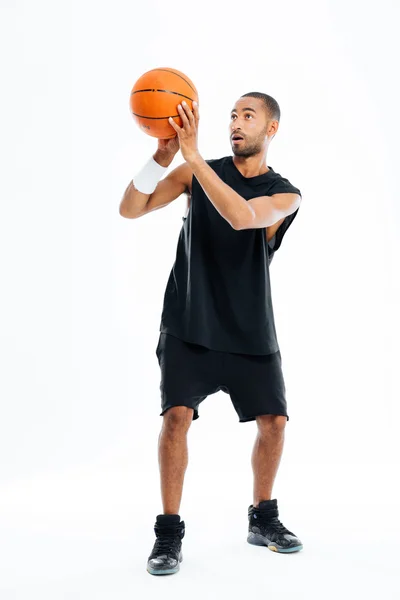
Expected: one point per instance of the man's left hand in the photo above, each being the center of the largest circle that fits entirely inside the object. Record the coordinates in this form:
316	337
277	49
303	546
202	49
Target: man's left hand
188	133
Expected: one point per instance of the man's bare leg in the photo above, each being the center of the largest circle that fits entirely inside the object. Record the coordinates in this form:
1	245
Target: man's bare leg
173	456
267	454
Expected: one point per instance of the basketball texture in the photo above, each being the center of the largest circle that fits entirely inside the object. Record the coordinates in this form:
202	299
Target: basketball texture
155	97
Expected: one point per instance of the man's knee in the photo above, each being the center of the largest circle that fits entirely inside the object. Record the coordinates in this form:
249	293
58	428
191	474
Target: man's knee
271	423
178	416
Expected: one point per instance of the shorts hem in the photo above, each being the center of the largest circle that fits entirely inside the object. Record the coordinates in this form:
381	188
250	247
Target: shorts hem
246	419
195	412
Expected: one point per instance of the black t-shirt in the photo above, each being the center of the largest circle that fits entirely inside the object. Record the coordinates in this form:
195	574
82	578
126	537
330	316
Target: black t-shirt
218	293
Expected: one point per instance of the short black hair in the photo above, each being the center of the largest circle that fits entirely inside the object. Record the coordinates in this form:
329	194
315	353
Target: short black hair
271	105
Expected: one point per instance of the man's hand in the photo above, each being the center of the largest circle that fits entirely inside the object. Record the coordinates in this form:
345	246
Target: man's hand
168	145
187	134
167	148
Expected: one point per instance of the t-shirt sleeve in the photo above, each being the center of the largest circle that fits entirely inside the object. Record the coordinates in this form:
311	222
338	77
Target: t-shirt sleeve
282	186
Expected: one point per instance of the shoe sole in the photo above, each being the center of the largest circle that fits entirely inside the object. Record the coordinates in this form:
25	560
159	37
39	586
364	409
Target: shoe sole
256	539
165	571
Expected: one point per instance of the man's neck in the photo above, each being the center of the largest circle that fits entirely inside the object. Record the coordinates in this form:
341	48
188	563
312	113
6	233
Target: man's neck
251	166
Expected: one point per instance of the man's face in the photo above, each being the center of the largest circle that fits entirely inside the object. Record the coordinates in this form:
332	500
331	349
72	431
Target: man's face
249	122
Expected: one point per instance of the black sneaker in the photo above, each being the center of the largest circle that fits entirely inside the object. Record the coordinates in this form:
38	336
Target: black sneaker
167	553
265	529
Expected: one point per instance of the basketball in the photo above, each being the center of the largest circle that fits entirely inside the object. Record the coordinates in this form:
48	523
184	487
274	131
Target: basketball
154	98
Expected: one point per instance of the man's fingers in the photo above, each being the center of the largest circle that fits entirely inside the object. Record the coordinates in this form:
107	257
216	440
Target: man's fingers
196	111
174	125
189	113
183	115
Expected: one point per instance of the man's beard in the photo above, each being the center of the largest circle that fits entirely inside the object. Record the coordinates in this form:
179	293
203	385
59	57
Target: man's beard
252	148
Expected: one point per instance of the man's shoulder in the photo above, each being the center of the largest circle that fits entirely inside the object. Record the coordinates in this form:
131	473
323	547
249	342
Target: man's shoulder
280	184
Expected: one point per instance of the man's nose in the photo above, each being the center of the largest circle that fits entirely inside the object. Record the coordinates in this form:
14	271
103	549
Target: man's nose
235	127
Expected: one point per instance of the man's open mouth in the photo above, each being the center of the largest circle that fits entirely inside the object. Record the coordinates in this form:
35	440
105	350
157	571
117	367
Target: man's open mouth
236	139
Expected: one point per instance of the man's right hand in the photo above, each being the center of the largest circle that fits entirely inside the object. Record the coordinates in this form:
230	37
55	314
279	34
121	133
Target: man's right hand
167	148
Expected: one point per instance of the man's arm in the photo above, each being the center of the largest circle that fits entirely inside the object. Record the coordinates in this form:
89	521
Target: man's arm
240	213
135	204
268	210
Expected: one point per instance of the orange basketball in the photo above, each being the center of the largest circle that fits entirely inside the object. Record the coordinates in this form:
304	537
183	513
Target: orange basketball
155	97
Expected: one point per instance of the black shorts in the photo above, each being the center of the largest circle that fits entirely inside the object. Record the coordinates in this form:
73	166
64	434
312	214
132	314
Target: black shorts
190	373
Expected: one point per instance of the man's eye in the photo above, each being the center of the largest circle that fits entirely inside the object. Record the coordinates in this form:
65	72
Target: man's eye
246	115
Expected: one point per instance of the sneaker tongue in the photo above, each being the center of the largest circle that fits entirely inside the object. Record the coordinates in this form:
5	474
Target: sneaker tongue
267	503
268	508
168	519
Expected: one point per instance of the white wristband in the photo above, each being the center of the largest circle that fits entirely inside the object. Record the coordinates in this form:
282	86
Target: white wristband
146	180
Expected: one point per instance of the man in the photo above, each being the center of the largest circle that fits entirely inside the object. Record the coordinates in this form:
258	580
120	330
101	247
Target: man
217	327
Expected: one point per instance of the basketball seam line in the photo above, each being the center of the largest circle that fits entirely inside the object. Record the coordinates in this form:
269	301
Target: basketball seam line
143	117
166	91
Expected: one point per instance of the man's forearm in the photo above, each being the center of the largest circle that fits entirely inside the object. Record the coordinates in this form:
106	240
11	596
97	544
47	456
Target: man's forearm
230	205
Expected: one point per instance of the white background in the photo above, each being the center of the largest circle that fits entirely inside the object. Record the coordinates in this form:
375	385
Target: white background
82	291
